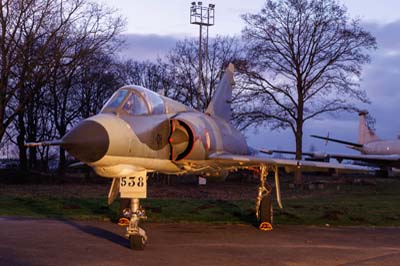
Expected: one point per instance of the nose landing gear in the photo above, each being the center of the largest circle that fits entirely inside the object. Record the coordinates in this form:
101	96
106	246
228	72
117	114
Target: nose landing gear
131	189
136	235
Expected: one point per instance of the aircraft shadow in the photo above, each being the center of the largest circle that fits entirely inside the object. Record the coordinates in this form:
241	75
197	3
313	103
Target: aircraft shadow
100	233
244	216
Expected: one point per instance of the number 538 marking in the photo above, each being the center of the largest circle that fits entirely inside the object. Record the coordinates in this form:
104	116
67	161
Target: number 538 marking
132	181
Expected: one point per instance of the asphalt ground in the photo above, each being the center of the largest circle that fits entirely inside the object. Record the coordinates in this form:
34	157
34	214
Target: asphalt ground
66	242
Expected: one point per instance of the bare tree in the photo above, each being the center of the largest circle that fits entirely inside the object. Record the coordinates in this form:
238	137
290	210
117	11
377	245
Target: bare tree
305	60
151	75
70	88
183	68
26	33
98	79
42	44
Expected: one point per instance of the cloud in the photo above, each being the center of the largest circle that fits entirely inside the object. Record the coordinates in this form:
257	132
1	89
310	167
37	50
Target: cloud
381	78
147	47
386	34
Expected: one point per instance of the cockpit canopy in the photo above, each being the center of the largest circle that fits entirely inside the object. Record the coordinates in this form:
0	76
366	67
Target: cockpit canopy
136	100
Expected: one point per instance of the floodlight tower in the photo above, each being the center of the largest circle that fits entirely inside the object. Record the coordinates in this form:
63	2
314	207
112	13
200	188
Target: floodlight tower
202	16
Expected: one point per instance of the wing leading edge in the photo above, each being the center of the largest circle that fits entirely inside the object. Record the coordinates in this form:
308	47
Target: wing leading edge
244	160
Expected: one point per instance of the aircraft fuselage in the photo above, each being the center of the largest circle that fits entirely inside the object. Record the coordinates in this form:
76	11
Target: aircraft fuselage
382	147
174	139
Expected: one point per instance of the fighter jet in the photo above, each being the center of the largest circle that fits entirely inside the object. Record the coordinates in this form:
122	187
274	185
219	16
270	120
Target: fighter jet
139	131
374	151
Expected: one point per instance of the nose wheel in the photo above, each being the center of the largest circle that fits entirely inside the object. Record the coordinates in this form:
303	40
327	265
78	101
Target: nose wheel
136	235
138	241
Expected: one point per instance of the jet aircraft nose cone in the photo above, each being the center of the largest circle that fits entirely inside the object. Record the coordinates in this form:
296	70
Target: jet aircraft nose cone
88	141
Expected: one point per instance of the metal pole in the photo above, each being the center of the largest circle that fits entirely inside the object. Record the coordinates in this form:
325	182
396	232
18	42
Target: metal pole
206	74
200	69
202	19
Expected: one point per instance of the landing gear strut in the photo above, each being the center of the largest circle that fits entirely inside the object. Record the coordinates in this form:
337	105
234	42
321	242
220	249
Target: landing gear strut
137	236
264	209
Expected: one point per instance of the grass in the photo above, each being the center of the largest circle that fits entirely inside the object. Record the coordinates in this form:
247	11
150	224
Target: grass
157	210
351	206
360	209
60	208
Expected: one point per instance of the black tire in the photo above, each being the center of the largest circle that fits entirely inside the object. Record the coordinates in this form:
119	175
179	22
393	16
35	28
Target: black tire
266	209
137	242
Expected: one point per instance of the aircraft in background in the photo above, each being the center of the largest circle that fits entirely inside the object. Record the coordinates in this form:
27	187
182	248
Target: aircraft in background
139	131
374	151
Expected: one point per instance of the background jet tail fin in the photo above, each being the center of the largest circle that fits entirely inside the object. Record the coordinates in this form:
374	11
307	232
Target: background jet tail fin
220	104
365	134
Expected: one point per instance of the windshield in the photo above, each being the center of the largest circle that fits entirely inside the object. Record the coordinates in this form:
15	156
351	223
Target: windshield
155	101
116	100
135	100
135	105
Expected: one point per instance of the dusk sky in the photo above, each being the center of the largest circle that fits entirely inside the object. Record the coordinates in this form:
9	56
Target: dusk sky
154	26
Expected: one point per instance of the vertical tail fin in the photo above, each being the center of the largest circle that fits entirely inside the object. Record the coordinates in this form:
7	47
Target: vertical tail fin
365	134
220	104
